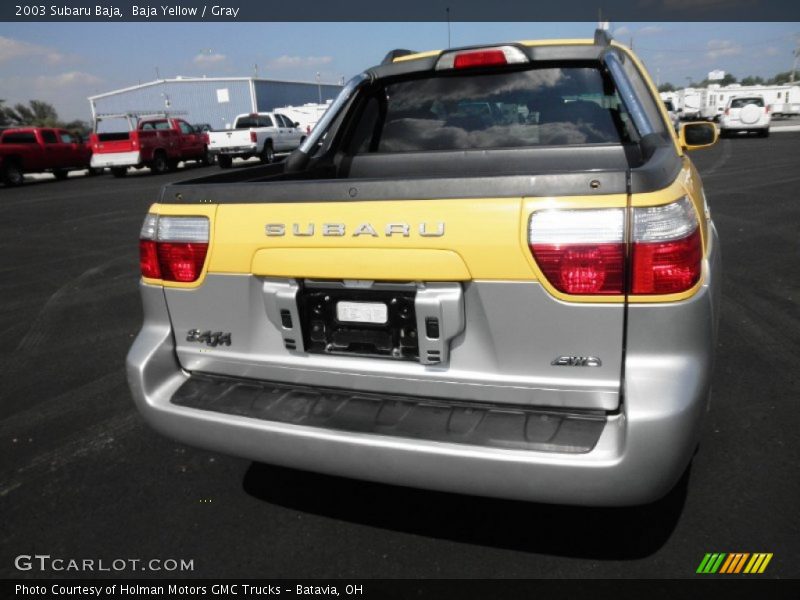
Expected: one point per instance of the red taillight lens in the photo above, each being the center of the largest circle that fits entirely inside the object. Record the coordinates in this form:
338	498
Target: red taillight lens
582	252
173	248
582	269
181	261
148	259
667	267
482	58
727	111
253	137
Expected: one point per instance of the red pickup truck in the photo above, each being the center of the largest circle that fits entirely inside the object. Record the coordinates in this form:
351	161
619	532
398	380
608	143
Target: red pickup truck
157	143
40	150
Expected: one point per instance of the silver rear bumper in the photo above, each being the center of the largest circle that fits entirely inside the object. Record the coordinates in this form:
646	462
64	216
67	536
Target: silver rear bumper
640	454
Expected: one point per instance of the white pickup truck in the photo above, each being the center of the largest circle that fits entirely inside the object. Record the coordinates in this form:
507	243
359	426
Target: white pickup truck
261	134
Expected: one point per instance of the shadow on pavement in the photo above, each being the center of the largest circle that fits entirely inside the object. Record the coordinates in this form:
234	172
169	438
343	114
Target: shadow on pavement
602	533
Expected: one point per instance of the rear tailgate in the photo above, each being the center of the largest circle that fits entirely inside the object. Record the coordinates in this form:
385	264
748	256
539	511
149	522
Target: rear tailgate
503	335
231	138
106	143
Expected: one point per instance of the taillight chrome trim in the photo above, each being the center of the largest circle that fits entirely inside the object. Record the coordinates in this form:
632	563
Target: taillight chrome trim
183	229
513	56
664	223
577	226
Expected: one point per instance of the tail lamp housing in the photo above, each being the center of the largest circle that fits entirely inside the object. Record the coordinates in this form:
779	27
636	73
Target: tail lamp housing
173	248
585	252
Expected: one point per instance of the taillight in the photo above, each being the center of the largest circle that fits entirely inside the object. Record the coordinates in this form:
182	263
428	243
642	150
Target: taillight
667	249
481	57
253	137
582	252
173	248
769	108
727	111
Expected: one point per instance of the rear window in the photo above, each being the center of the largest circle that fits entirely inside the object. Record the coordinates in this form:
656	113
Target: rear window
158	125
254	121
20	137
508	109
742	102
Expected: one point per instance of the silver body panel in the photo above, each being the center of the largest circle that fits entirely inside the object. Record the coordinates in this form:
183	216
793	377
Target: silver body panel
644	448
502	354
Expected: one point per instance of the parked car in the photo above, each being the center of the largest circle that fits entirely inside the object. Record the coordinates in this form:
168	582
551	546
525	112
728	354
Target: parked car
261	134
519	303
748	114
40	150
157	143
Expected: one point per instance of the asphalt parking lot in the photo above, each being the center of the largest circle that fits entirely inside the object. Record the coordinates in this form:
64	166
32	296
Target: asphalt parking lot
81	475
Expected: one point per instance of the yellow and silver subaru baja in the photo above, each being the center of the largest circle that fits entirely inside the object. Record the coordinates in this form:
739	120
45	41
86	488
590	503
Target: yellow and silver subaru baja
489	270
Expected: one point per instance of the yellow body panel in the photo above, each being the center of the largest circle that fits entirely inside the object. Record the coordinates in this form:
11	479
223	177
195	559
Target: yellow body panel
481	233
361	263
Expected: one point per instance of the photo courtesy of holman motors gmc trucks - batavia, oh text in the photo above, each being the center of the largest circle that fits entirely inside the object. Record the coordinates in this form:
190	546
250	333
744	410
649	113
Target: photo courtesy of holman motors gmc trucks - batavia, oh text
487	270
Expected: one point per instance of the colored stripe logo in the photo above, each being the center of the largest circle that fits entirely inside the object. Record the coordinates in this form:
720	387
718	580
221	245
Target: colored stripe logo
734	563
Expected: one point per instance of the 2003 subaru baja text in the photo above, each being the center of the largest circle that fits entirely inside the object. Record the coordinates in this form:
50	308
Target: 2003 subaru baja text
489	270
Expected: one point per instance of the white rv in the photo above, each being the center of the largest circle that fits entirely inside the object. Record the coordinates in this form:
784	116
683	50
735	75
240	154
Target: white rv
690	102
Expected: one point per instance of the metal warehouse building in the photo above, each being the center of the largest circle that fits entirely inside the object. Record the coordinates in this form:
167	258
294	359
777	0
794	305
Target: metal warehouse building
213	100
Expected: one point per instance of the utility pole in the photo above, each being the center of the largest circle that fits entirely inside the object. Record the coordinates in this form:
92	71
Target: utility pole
158	75
319	88
447	10
794	65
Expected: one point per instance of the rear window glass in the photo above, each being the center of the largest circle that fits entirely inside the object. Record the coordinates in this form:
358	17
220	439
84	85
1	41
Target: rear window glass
21	137
508	109
254	121
742	102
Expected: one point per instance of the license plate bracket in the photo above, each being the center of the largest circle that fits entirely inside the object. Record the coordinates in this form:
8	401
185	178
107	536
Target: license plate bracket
359	322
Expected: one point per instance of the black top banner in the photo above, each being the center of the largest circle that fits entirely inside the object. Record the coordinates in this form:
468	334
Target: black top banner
409	10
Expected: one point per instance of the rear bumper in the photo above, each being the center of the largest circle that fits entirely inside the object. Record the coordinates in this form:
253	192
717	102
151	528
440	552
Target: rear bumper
727	123
637	456
235	150
115	159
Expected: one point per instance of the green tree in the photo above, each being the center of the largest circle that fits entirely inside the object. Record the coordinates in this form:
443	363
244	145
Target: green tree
35	114
751	80
781	78
728	79
83	128
4	120
666	87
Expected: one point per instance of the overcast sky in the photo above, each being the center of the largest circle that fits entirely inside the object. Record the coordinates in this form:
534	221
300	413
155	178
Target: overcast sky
63	63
